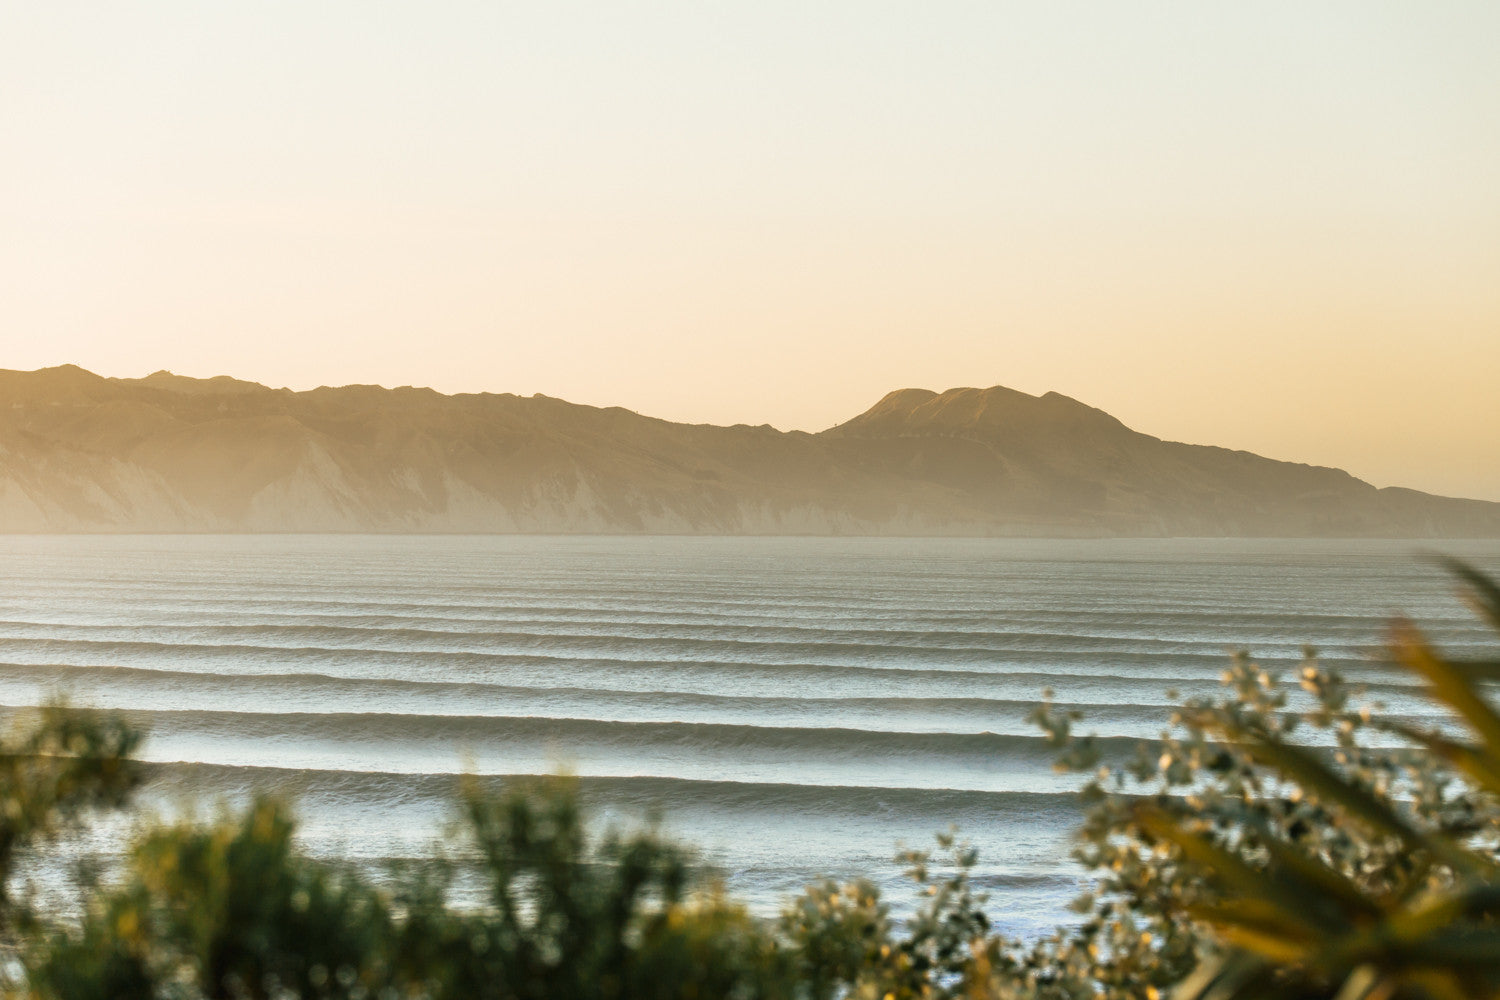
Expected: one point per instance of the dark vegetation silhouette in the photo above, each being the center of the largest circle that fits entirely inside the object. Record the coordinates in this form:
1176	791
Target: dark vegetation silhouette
1282	840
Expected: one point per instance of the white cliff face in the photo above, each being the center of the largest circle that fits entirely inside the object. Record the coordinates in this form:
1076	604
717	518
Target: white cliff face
78	492
314	496
457	507
20	512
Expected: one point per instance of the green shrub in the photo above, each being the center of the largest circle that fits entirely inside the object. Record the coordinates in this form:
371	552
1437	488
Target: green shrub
1236	862
228	910
570	917
65	763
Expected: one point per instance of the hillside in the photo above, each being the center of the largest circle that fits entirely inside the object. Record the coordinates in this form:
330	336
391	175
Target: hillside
81	453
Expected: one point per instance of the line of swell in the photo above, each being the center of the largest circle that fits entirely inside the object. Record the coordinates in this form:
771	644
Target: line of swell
60	675
1155	664
533	731
52	673
399	788
678	679
1088	627
761	640
770	604
623	735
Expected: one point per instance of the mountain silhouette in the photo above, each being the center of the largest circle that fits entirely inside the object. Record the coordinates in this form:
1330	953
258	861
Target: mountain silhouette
165	453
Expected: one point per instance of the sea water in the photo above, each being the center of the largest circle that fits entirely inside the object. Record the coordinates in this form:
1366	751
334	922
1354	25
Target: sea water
792	707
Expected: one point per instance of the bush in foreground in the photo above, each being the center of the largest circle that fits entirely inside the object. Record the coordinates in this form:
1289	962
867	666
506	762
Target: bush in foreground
1263	848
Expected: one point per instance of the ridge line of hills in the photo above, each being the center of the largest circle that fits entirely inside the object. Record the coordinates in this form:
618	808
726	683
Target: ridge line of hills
166	453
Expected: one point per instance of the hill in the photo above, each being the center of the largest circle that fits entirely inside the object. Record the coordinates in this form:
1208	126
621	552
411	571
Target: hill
82	453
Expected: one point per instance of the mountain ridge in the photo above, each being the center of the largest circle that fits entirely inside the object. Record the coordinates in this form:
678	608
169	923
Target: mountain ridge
83	453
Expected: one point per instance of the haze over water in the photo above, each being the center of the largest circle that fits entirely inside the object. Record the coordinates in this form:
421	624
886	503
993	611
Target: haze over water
792	706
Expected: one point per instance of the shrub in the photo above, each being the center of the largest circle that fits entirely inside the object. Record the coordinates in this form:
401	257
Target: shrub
54	771
1236	862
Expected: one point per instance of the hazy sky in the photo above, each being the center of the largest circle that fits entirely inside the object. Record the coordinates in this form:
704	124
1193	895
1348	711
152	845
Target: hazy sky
1272	226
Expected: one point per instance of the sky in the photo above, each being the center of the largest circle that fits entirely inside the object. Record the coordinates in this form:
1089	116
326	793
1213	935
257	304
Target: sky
1271	226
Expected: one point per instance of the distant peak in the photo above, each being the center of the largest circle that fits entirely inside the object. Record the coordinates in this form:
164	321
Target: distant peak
905	397
67	371
172	382
966	410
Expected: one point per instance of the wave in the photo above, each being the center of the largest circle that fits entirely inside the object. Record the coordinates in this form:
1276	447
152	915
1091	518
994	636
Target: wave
157	688
235	606
761	643
738	829
415	633
637	792
63	673
446	698
999	633
394	729
965	662
644	643
811	756
596	687
585	605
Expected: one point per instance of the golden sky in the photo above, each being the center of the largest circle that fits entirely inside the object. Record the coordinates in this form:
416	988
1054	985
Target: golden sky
1271	226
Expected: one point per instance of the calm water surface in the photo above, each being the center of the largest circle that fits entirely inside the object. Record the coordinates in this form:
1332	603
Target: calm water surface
793	706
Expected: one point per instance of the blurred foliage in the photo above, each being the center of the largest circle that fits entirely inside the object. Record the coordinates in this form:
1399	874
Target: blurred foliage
1281	840
1266	850
60	764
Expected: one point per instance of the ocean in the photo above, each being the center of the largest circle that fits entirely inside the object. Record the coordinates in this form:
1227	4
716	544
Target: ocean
793	707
